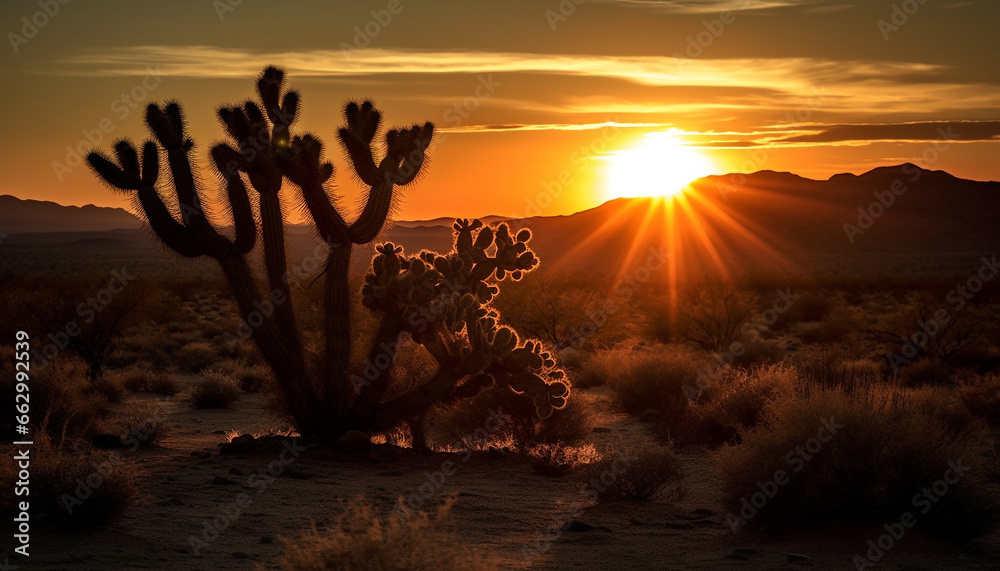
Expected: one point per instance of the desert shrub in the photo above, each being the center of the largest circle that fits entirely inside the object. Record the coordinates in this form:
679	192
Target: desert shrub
654	380
254	379
138	379
829	331
884	446
215	390
108	388
831	371
196	356
651	474
56	474
981	396
809	306
140	424
599	368
978	358
712	317
362	540
923	373
64	403
520	427
557	459
760	353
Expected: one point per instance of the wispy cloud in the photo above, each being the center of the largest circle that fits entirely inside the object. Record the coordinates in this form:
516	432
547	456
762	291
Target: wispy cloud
917	131
709	6
214	62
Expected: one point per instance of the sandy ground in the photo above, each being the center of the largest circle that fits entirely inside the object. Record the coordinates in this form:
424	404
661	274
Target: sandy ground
502	505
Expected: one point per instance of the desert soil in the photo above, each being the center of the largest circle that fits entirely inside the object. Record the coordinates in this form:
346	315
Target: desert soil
502	505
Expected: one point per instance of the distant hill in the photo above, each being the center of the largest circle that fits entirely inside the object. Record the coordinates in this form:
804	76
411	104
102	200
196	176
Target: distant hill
765	224
19	216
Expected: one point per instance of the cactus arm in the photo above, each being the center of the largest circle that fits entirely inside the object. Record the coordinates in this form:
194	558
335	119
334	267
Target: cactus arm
245	227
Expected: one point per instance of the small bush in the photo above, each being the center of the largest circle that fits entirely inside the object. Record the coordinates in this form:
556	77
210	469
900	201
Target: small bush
653	474
521	428
56	474
215	391
925	372
599	368
141	424
254	379
981	396
108	388
830	331
361	540
654	381
889	447
557	459
196	356
760	353
138	379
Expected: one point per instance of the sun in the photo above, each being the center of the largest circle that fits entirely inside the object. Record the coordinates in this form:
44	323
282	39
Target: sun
661	165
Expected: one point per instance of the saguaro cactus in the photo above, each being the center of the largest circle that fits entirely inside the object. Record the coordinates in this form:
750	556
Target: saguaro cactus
463	334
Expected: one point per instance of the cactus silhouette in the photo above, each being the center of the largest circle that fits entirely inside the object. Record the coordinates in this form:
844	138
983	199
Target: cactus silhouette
441	301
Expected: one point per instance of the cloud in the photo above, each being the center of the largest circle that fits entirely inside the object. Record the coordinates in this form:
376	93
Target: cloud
917	131
713	6
214	62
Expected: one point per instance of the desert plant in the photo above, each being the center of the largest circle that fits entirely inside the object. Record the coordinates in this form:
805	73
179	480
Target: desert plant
651	474
442	301
654	381
860	455
557	459
712	317
77	488
361	540
215	390
981	395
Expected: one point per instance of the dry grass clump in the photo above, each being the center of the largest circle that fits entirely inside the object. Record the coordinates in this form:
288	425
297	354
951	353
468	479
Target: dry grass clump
141	379
196	356
506	418
215	391
77	488
760	353
654	380
141	424
362	540
599	368
557	459
889	444
981	396
651	474
925	372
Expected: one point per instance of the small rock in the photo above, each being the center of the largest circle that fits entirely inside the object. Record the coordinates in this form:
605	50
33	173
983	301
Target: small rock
171	479
798	558
234	471
496	452
353	442
219	432
267	539
702	512
600	430
577	525
240	555
222	481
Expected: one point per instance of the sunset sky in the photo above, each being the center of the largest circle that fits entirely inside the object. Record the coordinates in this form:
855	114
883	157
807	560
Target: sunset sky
523	95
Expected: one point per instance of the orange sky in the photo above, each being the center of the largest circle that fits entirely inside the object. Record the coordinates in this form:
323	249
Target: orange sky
532	105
